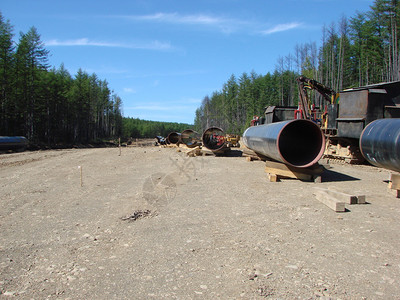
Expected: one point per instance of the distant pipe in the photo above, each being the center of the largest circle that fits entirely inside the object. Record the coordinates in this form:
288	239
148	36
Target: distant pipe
380	143
214	139
190	138
174	138
13	142
298	143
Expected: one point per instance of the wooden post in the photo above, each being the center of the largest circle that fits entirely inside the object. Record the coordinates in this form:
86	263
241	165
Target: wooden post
80	168
394	183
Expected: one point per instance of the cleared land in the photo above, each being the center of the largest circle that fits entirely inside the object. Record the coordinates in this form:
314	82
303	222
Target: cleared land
156	223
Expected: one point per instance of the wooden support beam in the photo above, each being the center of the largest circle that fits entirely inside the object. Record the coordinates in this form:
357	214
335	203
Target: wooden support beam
273	177
284	170
317	178
361	199
344	197
207	152
193	152
246	152
288	174
330	201
394	181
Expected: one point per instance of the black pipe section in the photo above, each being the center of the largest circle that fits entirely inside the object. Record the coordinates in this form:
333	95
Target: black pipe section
380	143
174	138
190	138
214	139
13	143
161	140
298	143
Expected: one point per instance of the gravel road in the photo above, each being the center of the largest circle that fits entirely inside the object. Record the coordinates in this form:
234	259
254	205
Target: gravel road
154	223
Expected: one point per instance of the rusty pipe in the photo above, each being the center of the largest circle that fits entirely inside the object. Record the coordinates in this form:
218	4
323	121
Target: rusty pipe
174	138
214	139
298	143
190	138
380	143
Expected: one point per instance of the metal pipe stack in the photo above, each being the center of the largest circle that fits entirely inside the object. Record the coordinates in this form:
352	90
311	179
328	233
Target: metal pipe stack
190	138
214	139
174	138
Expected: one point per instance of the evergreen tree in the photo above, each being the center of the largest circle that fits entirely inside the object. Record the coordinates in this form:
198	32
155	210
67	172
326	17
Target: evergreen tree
7	122
31	62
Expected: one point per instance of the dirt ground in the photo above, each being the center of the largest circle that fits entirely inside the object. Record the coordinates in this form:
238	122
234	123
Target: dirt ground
154	223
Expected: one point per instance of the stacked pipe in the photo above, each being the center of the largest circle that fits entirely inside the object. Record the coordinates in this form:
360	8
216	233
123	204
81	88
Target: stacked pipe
380	143
214	139
190	138
174	138
298	143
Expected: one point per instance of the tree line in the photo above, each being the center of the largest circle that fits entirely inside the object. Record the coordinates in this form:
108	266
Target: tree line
356	51
51	107
137	128
48	105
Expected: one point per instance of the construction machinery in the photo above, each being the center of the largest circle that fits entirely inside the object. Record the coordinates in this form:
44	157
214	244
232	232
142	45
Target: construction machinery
232	140
342	116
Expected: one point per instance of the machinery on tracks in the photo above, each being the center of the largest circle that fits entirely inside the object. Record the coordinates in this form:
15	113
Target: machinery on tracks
343	115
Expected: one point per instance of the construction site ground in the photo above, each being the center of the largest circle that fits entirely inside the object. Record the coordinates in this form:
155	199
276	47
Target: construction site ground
151	223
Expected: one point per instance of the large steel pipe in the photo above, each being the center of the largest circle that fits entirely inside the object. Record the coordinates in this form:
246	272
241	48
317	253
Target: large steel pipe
174	138
298	143
190	138
214	139
380	143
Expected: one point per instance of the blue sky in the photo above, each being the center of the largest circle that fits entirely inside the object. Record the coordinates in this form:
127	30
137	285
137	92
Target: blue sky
162	57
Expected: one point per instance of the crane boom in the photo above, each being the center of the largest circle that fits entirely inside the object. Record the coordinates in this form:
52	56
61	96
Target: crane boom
305	83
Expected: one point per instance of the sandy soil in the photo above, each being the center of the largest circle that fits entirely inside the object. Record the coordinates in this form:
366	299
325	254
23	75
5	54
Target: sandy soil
154	223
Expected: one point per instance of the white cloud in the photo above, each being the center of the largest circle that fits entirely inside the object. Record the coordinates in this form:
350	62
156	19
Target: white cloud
223	24
226	25
181	19
129	90
154	45
189	101
281	27
150	107
169	74
174	105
